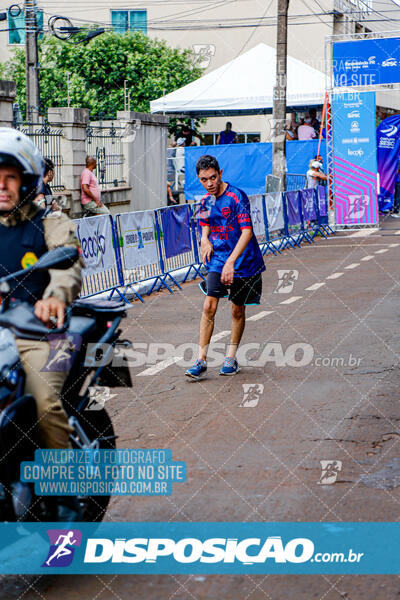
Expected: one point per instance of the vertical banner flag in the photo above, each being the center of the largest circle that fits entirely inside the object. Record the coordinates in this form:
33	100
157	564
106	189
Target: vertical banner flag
308	206
274	208
323	209
388	150
292	203
354	160
175	222
96	241
138	240
257	215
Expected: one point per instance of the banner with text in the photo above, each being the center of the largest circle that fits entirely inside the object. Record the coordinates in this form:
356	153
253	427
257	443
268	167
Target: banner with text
96	241
151	548
137	239
388	150
366	62
354	158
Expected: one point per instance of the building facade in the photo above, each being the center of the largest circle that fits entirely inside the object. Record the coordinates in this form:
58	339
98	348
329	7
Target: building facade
217	33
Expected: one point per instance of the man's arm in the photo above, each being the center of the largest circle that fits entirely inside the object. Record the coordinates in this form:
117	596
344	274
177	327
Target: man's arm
319	175
64	285
88	191
206	246
229	267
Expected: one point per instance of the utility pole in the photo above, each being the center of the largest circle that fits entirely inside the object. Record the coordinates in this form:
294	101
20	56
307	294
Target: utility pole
279	104
31	62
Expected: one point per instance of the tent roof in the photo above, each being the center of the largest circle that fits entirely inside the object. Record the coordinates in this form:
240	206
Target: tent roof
245	86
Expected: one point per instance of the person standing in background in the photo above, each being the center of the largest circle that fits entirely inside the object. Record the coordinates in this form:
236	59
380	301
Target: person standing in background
44	199
90	190
306	131
227	136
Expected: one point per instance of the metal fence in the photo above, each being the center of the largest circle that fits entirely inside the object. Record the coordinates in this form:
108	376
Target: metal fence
104	142
295	181
48	140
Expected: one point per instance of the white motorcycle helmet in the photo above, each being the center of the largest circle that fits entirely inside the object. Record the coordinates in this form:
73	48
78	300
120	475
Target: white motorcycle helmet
17	150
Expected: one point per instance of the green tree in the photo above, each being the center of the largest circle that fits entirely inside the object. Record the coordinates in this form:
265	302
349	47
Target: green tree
97	71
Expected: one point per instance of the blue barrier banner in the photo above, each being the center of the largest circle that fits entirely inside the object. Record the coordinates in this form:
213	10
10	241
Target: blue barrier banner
388	150
196	547
176	229
247	165
292	199
307	203
322	202
366	62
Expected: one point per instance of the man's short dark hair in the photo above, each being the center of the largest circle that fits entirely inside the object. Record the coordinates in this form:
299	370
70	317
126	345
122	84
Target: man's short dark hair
207	162
48	165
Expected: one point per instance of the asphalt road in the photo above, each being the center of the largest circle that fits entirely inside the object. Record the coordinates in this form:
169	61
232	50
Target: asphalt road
257	457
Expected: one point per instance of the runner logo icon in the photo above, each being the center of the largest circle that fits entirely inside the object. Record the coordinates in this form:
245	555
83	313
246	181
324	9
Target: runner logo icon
61	552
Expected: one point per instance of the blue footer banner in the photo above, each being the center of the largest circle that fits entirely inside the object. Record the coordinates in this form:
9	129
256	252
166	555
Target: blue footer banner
208	548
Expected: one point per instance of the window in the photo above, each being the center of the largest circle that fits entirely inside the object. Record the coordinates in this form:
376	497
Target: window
16	24
210	139
129	20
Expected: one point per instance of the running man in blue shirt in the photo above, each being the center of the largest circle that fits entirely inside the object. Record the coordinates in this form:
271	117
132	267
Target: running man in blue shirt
233	259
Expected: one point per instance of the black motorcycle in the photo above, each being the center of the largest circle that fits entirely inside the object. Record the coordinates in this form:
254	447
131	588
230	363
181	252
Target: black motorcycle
95	324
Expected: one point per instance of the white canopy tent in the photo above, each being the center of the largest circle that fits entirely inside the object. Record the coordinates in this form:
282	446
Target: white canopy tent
245	86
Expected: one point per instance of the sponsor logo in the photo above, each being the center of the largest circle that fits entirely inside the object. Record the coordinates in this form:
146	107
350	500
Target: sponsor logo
62	547
389	62
358	152
286	280
392	130
354	114
226	211
61	352
355	128
329	471
192	550
28	259
372	60
357	206
93	247
251	394
202	55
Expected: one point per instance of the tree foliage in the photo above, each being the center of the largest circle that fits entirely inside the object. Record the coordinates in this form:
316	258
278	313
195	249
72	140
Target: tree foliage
97	71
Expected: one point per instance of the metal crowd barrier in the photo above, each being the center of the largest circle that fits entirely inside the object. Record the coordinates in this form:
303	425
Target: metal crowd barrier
151	245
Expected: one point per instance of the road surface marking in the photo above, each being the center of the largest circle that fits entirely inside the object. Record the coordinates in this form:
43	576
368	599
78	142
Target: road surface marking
220	335
393	245
369	257
314	287
352	266
159	366
382	251
260	315
290	300
364	232
397	232
335	275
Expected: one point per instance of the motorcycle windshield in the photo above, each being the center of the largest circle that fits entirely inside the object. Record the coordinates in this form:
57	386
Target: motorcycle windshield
8	349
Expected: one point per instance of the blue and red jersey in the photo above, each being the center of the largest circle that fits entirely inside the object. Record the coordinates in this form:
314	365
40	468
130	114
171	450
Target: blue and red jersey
227	216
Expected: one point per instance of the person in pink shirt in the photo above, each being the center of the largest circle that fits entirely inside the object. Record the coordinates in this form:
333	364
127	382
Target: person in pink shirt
90	190
306	131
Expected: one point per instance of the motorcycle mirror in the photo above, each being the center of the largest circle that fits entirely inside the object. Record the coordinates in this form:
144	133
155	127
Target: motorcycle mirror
58	258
